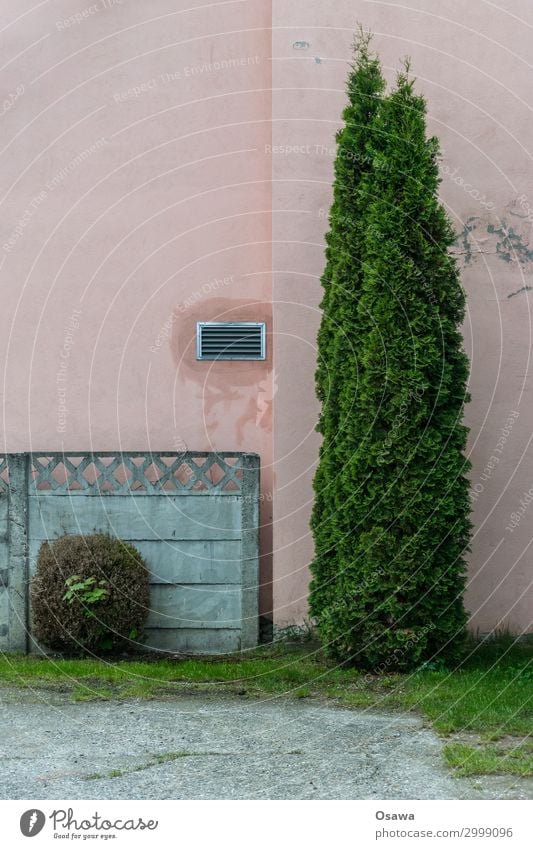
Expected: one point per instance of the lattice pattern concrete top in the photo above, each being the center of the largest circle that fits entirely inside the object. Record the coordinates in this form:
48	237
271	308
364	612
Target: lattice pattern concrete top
133	473
4	474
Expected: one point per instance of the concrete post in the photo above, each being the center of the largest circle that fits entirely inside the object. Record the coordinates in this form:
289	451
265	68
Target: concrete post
250	551
18	552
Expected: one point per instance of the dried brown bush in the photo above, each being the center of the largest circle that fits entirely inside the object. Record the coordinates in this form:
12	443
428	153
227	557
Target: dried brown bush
106	583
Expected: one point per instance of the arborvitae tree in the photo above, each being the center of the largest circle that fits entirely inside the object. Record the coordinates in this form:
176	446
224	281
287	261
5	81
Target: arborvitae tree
341	283
392	497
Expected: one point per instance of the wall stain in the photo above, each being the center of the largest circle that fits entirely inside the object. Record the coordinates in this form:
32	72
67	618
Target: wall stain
226	388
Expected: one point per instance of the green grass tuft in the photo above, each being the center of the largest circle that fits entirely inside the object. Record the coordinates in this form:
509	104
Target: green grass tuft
490	760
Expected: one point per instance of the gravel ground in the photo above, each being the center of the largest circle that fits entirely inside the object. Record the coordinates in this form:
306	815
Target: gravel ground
209	748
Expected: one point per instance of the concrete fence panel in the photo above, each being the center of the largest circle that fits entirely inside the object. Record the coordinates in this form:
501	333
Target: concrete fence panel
194	517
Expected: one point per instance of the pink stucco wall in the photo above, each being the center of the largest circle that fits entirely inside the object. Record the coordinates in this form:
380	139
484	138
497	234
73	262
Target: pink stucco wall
472	61
167	162
135	198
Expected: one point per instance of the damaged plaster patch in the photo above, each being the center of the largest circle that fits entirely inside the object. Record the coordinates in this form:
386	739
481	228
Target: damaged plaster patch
522	289
496	236
464	239
510	246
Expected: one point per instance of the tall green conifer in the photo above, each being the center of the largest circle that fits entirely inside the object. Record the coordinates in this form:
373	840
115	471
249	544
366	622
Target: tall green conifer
391	515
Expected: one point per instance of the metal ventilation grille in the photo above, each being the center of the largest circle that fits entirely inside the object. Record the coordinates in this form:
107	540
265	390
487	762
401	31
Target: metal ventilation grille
230	340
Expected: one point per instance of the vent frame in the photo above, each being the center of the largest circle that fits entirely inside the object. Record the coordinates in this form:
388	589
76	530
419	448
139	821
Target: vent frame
211	356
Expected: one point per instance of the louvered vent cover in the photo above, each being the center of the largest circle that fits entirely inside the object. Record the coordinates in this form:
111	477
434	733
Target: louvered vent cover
230	340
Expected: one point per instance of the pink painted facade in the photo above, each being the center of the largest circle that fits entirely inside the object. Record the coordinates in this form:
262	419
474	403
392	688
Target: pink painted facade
165	163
